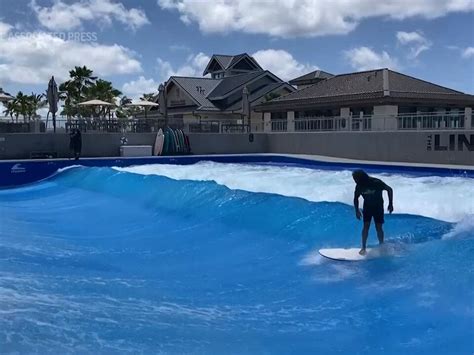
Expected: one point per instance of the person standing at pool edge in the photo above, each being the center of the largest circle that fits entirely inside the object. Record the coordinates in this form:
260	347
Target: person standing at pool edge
371	190
75	143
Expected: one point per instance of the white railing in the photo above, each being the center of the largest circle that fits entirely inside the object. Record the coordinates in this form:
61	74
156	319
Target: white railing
429	121
279	125
321	124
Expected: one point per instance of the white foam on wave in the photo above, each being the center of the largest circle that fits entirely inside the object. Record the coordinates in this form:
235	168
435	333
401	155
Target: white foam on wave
462	228
445	198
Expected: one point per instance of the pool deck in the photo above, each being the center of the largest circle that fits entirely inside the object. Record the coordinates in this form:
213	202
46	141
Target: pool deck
373	162
315	158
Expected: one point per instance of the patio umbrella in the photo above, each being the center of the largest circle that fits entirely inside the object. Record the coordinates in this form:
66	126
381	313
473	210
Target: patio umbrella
162	101
246	104
143	103
53	98
96	102
4	97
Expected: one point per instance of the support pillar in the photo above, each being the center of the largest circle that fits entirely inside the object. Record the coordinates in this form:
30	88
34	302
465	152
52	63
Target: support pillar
290	118
468	118
267	122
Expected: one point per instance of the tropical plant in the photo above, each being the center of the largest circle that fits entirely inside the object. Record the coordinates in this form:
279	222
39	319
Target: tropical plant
272	95
72	91
24	105
149	97
125	100
12	110
83	86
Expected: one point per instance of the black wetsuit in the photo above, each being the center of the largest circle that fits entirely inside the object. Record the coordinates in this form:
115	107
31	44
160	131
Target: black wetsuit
75	143
373	200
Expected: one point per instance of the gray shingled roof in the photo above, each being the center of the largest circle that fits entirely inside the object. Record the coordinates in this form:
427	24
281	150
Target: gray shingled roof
368	84
230	83
256	95
317	74
197	88
224	60
404	83
202	89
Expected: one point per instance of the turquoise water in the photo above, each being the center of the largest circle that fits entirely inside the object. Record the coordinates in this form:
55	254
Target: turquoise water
97	260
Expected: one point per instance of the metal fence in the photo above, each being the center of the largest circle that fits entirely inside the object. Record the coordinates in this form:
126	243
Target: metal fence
136	125
428	121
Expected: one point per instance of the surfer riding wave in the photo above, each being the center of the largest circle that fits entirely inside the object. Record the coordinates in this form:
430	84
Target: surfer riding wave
371	190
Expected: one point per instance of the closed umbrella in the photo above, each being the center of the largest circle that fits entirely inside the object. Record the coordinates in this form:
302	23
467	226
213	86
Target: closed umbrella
162	102
53	98
246	104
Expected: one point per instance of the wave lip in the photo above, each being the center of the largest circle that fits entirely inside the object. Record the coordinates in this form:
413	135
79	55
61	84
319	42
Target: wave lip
445	198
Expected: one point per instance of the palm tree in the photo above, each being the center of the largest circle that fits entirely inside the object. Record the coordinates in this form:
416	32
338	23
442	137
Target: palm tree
35	102
12	110
73	90
125	100
102	90
149	97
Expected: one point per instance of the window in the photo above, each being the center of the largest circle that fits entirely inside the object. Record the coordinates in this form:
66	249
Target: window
278	116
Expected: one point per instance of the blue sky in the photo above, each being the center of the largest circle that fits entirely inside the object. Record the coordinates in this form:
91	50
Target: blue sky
138	44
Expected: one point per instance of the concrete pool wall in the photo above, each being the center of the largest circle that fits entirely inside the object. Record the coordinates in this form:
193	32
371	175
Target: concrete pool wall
434	147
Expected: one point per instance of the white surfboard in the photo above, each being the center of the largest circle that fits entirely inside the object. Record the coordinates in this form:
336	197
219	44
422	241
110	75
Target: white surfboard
352	254
160	139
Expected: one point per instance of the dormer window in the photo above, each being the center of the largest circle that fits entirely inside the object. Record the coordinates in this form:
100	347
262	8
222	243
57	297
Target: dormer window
221	66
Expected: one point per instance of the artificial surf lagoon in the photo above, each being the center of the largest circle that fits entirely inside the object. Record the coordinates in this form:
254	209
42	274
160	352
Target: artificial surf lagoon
214	257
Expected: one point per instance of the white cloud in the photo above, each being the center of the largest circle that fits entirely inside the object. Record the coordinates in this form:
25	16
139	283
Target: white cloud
33	59
307	18
364	58
194	66
468	52
4	29
62	16
282	64
415	41
136	88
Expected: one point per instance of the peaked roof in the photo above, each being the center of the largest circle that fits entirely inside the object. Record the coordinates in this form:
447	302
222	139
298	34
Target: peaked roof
228	61
197	88
230	83
224	60
254	96
308	78
207	92
373	84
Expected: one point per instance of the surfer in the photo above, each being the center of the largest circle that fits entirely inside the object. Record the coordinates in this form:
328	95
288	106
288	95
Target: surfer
371	190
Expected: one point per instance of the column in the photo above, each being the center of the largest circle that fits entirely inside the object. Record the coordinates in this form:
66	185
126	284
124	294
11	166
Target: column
267	122
290	118
385	118
468	124
346	115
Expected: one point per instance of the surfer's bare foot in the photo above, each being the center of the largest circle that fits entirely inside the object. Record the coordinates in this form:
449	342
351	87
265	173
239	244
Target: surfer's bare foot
362	251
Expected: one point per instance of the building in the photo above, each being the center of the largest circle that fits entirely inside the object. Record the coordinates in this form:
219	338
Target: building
371	100
216	103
